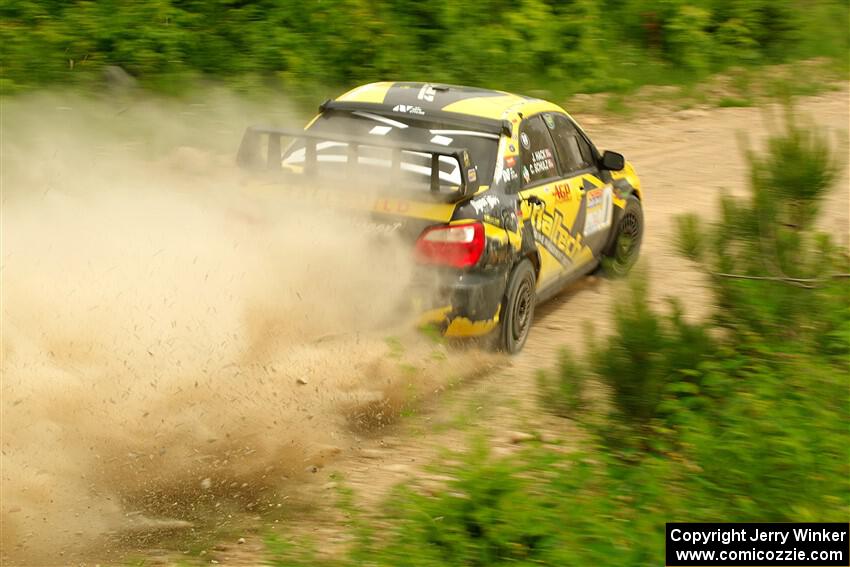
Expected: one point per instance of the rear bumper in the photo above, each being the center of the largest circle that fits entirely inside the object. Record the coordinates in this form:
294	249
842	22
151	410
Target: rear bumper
461	304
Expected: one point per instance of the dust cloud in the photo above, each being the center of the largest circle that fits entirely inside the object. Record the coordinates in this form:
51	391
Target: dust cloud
175	347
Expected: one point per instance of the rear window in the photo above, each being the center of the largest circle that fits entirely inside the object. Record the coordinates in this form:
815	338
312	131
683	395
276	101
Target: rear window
332	156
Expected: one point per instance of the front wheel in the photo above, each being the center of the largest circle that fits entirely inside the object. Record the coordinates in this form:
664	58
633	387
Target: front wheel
517	308
624	250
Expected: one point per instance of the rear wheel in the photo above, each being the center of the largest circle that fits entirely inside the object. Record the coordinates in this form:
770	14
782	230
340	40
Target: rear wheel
624	250
517	308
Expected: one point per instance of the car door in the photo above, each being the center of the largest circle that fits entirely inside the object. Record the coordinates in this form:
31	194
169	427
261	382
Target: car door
550	205
578	163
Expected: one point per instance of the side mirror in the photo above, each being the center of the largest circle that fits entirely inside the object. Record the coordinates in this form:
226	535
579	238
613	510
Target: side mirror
612	161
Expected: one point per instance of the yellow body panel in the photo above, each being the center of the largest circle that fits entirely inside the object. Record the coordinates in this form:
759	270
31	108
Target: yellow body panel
463	327
459	326
554	241
484	106
434	316
373	92
493	232
628	173
535	106
437	212
554	224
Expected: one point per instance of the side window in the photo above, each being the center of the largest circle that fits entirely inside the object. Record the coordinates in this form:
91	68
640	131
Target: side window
536	152
573	151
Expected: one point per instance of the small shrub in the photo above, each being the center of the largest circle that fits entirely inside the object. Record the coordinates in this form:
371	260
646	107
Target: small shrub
538	507
734	102
797	170
650	357
775	445
617	104
690	239
735	43
688	38
496	511
563	393
772	272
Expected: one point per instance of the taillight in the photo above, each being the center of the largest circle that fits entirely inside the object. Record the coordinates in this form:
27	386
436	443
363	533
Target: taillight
458	245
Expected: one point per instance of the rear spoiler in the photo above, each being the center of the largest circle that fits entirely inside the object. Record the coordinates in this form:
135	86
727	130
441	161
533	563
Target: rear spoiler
250	155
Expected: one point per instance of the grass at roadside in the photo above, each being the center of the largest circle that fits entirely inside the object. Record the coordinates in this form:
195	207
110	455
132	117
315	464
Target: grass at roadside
733	87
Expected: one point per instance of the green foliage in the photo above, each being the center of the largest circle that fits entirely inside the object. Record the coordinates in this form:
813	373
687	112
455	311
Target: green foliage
476	521
688	38
395	347
650	358
699	33
772	272
734	102
617	104
690	240
793	176
773	443
538	508
554	48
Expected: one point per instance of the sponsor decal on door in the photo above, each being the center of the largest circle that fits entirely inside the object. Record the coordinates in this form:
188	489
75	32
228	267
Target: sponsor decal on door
599	210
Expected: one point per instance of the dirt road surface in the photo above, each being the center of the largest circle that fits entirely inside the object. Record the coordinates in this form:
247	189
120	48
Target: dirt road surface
685	160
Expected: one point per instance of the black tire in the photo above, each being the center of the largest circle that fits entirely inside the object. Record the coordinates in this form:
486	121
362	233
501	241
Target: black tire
624	249
517	308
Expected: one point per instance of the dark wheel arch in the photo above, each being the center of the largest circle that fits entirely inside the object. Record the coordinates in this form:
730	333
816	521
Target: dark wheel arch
623	249
529	250
518	305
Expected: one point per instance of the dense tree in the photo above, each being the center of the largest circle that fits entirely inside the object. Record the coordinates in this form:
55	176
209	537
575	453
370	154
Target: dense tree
565	46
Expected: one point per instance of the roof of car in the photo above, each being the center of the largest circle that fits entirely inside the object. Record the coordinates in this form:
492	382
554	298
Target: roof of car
437	97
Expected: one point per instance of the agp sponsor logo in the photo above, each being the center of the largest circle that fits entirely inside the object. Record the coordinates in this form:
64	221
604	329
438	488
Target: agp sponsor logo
562	192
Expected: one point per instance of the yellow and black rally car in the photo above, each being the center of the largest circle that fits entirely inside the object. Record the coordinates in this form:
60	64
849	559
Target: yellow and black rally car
504	198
